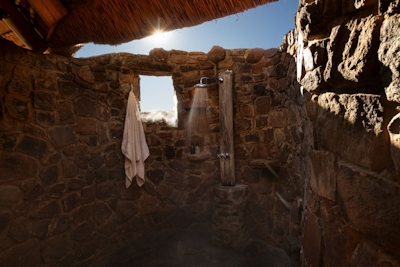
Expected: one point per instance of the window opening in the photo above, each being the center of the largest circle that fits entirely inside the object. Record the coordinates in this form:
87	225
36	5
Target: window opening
158	100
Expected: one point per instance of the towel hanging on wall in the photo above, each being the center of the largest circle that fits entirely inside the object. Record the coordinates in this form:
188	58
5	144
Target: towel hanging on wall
134	146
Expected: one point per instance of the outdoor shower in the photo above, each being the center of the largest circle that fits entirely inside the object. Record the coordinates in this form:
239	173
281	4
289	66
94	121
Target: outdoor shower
200	100
229	199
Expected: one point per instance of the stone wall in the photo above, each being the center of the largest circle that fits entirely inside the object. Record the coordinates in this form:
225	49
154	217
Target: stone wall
62	196
347	62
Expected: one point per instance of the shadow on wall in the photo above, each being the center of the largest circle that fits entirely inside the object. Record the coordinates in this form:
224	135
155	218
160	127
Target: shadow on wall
349	72
353	190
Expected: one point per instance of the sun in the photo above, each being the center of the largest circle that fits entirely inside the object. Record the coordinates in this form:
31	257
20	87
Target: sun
157	37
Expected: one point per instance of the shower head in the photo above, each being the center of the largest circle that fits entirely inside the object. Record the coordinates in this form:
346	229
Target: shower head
201	84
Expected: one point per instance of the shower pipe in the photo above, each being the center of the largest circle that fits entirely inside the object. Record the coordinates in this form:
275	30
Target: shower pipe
203	85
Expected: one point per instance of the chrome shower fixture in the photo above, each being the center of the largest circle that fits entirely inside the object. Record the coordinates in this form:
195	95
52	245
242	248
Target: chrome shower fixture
203	85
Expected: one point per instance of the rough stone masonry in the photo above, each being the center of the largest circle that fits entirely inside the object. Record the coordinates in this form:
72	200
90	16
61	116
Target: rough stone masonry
62	196
321	112
348	68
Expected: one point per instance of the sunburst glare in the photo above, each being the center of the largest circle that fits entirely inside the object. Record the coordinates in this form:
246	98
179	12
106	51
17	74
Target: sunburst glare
158	36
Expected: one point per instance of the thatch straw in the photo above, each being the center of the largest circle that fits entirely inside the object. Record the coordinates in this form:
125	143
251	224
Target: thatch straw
118	21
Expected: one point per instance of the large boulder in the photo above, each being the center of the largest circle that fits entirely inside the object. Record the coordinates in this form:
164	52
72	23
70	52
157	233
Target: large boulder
370	204
309	20
352	61
323	174
353	127
389	54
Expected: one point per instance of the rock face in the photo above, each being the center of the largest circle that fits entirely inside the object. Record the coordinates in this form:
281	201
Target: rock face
388	54
62	188
348	66
323	174
366	210
351	53
347	126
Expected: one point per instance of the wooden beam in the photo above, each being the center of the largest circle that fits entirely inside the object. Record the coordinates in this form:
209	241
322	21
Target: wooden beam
22	28
51	12
227	161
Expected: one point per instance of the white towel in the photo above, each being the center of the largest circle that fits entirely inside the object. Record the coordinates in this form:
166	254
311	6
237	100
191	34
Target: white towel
134	146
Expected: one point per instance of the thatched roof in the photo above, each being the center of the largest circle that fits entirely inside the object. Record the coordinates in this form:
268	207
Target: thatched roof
110	21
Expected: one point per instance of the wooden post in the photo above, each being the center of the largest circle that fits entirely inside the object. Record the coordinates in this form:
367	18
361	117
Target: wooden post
227	156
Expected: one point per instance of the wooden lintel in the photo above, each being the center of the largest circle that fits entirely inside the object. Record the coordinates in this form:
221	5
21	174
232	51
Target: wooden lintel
22	28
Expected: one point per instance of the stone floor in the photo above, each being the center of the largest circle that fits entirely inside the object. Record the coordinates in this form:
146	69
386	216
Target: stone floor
192	248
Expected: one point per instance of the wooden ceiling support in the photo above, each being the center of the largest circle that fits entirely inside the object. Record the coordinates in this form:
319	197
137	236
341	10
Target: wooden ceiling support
22	28
51	12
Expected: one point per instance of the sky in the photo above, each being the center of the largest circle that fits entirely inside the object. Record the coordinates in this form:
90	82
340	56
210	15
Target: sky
263	27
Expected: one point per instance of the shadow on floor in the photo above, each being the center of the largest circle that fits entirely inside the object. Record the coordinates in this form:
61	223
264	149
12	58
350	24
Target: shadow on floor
188	248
